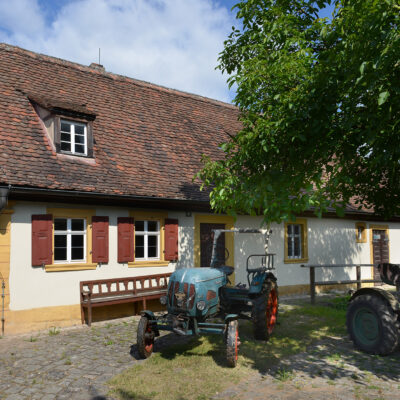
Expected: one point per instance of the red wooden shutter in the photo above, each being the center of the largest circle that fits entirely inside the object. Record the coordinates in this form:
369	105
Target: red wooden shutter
42	239
126	230
99	239
171	240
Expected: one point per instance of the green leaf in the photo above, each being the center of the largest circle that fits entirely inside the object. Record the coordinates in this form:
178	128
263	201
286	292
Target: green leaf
383	96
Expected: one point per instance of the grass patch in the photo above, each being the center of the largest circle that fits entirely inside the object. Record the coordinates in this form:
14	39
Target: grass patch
283	375
32	339
53	331
197	369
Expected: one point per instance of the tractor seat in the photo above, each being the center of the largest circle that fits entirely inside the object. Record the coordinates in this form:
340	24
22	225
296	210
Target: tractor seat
390	273
226	269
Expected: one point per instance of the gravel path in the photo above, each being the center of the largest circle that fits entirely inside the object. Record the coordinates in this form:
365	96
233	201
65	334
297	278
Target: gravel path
329	370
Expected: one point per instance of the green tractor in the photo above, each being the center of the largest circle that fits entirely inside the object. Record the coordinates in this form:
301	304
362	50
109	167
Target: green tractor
373	314
196	297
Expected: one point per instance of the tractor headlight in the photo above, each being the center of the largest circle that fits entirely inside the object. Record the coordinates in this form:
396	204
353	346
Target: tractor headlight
201	305
163	300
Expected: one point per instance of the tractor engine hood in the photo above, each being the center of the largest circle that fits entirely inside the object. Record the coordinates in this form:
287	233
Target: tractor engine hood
194	275
188	287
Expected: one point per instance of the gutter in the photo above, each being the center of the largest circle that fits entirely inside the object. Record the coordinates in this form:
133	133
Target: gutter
26	193
71	196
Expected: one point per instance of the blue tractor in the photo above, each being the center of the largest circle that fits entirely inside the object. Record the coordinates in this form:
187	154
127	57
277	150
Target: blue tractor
196	297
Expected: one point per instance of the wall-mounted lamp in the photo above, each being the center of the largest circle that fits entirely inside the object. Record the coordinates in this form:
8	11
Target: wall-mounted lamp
188	213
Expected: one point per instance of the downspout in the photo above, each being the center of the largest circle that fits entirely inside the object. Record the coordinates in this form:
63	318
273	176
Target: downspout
4	192
3	320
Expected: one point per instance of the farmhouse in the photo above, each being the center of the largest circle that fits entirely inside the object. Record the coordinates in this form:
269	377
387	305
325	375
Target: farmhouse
96	184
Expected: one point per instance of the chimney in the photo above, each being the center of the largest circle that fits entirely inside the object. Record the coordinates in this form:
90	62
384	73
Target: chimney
97	67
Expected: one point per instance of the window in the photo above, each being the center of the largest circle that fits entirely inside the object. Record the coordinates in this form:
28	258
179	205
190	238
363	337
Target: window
294	241
147	240
74	239
70	130
296	248
69	240
361	232
73	137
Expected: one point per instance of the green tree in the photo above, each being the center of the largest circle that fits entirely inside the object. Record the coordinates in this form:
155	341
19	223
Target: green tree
320	107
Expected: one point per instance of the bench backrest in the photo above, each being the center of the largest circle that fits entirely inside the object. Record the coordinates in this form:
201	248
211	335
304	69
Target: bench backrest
123	286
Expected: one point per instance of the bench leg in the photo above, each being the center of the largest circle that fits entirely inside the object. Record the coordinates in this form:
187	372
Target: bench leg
82	315
144	304
90	315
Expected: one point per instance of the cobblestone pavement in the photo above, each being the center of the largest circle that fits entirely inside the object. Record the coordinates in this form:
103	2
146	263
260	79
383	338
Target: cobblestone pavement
75	363
71	363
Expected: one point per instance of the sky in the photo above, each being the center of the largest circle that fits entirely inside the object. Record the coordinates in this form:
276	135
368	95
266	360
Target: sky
174	43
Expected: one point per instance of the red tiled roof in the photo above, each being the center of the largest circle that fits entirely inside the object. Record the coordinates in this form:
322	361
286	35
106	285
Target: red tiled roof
148	139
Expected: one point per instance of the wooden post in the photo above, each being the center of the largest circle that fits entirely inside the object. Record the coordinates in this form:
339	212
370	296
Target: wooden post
89	310
312	285
358	269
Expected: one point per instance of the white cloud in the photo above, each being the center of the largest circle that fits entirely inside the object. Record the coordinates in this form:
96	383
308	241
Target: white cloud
169	42
21	17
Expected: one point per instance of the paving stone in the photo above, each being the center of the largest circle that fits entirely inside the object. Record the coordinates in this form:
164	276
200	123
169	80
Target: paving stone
15	397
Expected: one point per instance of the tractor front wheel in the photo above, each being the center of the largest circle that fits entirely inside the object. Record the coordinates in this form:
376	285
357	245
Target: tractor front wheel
145	338
232	343
372	324
265	313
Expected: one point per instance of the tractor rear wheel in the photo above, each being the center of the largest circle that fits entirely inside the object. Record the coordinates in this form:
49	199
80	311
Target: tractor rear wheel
145	338
232	343
372	324
265	312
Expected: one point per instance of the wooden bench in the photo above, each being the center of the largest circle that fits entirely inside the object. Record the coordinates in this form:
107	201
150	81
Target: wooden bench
104	292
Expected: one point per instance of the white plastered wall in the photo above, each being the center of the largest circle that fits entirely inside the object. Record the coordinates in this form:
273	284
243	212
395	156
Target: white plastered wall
33	287
329	241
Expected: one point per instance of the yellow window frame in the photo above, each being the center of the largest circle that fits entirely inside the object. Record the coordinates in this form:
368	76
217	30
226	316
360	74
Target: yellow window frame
73	213
149	215
363	227
304	242
371	246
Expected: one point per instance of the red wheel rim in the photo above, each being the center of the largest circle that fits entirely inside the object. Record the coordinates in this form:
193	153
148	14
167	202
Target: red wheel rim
148	343
272	310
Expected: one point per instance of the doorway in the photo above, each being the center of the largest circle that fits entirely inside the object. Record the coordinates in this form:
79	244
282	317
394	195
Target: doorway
203	224
380	250
206	244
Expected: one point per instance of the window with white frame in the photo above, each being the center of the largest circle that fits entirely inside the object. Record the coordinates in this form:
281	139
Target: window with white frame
69	240
147	240
294	241
73	138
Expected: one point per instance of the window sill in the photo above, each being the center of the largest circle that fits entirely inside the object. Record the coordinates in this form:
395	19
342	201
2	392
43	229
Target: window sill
295	260
156	263
69	267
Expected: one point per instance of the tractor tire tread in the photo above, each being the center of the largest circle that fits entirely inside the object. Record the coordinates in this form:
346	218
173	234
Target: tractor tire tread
260	330
141	340
389	332
231	344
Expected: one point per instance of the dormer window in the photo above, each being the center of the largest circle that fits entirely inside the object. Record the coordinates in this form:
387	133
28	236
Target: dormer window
73	138
69	126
